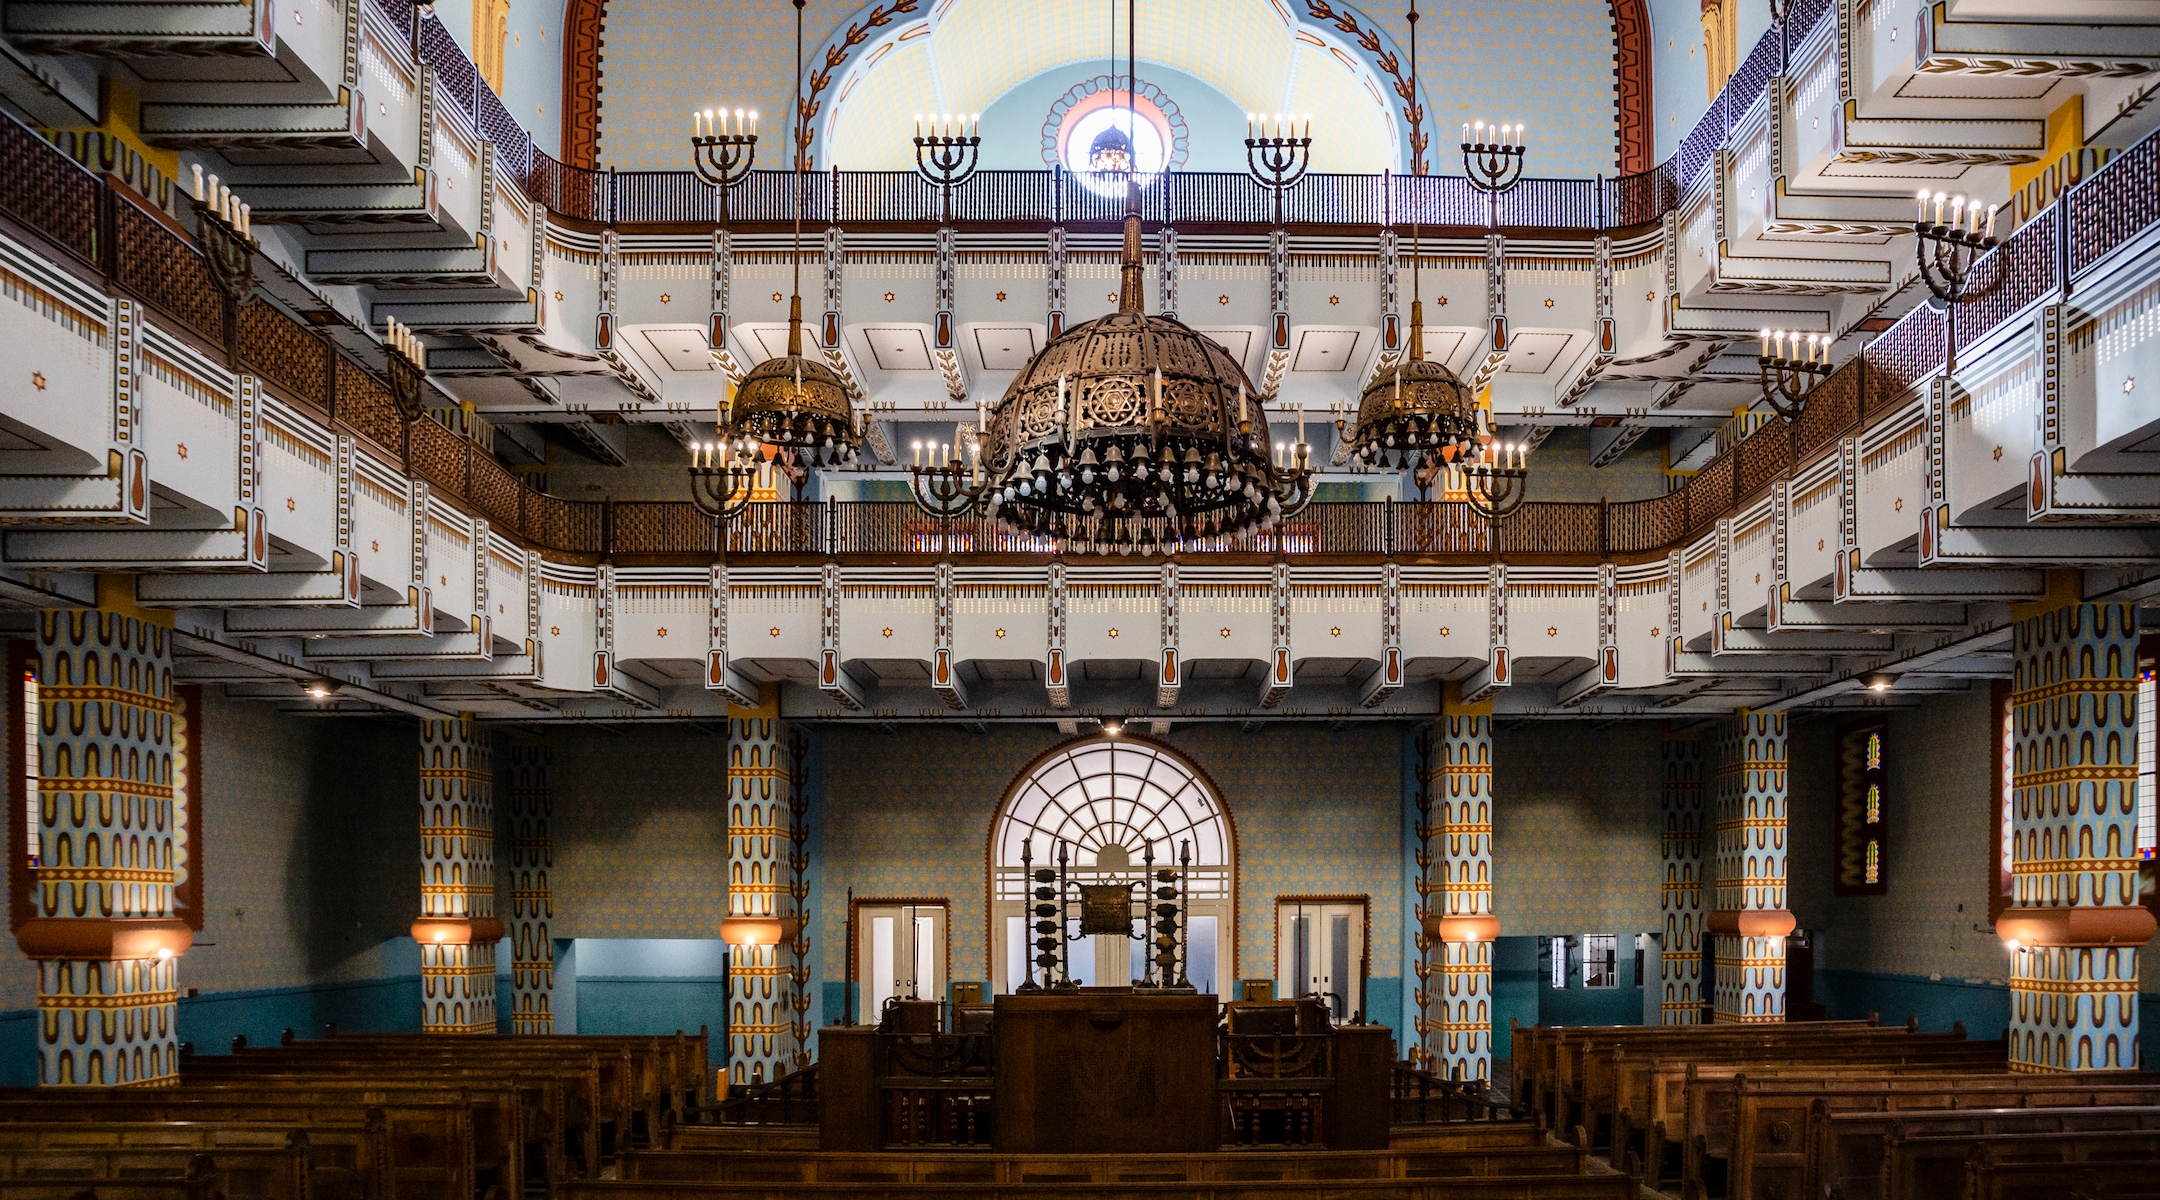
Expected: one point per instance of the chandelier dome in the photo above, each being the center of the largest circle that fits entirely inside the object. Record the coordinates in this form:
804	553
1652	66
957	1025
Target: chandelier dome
1413	410
799	404
1135	432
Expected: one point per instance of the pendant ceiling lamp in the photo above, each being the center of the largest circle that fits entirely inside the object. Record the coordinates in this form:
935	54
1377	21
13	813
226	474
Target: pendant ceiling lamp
1132	433
793	407
1416	411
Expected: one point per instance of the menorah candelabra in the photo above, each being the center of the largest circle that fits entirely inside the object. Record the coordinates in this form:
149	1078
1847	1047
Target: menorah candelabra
947	156
1493	162
1787	380
1495	482
1947	251
724	476
722	150
1276	155
408	367
944	487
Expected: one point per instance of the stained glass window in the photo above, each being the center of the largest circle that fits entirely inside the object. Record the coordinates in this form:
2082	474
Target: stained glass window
1863	814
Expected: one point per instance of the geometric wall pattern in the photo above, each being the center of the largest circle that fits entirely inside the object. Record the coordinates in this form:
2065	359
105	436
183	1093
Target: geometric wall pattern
1681	899
109	838
1465	831
457	875
1750	916
759	1004
2074	1007
532	903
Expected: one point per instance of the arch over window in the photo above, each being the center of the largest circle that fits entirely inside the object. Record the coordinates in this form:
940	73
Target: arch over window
1109	799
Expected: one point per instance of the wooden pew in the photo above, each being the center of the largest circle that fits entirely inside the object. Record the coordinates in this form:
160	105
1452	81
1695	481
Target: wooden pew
196	1181
334	1161
1651	1093
1465	1135
1548	1062
1491	1187
425	1146
1766	1141
669	1076
743	1138
617	1088
709	1167
2042	1166
554	1125
1871	1155
237	1172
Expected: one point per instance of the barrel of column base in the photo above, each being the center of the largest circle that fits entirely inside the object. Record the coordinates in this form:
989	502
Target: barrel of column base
457	931
1481	927
93	938
2085	925
1750	922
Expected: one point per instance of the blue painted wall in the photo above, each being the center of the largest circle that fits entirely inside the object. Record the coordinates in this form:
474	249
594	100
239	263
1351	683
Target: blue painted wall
647	985
1515	989
1579	1005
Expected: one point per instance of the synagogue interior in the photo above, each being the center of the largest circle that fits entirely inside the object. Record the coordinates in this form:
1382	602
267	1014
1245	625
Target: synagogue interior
476	730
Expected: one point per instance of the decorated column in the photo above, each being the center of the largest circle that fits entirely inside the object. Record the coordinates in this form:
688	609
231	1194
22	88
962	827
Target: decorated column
1462	920
1750	920
105	935
759	1016
457	929
532	901
1680	898
2075	925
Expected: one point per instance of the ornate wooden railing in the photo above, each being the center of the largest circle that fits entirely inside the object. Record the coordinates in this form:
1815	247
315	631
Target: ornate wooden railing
1420	1097
935	1089
792	1099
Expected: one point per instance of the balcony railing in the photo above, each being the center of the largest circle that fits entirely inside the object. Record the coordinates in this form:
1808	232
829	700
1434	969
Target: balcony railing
100	222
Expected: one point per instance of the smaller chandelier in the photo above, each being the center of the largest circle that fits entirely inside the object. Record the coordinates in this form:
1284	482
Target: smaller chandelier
1414	412
797	405
1111	152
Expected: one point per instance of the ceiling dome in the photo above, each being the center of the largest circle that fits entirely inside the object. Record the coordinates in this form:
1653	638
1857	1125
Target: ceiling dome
1134	432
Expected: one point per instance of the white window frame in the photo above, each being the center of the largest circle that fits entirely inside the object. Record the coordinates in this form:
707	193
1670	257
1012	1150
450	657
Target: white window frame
1604	950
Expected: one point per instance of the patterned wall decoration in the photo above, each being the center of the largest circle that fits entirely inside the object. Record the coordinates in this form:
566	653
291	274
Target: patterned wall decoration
1466	769
1562	835
457	877
647	804
532	901
2073	996
1861	827
797	904
1426	750
759	1008
658	59
1316	813
1932	919
1680	897
1750	918
108	843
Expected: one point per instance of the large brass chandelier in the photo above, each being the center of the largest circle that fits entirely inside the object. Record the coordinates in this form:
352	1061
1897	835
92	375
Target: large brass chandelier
1129	433
793	410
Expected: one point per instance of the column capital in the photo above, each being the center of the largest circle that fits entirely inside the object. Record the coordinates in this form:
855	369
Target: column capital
2080	925
457	931
1750	922
104	938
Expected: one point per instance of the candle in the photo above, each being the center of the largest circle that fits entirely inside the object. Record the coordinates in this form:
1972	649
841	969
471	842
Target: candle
1466	132
1158	394
1308	127
210	196
1241	418
246	228
1957	212
1061	400
918	451
1990	222
1301	421
1765	352
1921	213
198	181
1938	208
1481	133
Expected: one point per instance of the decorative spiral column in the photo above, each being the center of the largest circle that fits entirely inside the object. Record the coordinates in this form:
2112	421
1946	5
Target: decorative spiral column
1680	897
457	929
1751	920
2075	925
1463	924
532	900
105	936
759	987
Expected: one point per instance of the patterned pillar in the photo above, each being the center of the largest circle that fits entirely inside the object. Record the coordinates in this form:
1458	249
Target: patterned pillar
1680	899
104	936
457	929
1751	920
532	903
1465	926
758	843
2075	924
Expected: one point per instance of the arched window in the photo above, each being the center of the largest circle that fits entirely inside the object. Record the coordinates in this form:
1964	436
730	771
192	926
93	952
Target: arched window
1109	801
